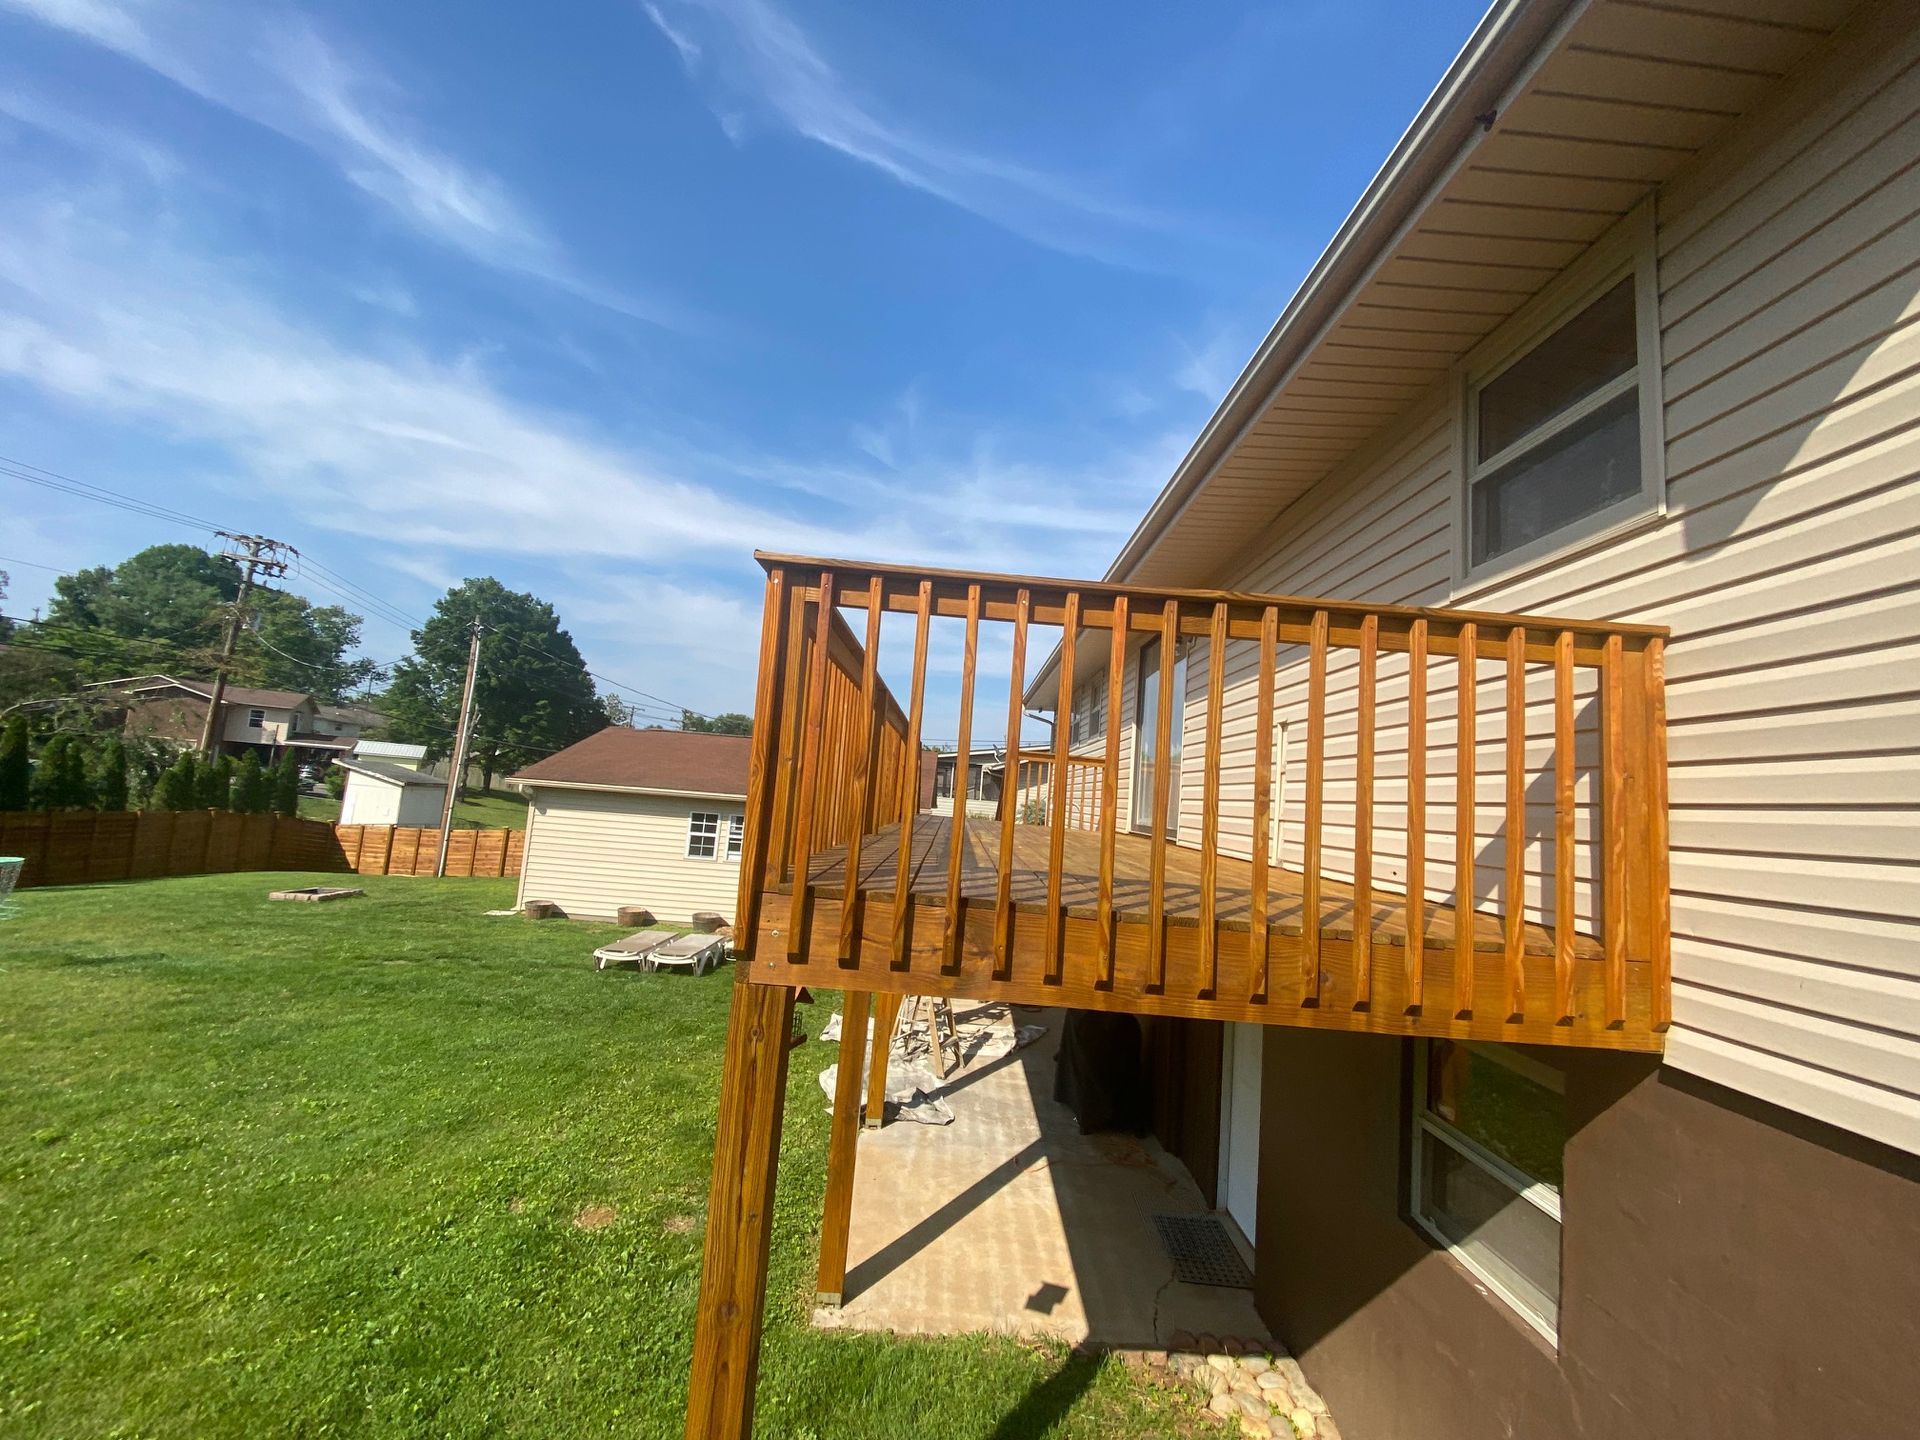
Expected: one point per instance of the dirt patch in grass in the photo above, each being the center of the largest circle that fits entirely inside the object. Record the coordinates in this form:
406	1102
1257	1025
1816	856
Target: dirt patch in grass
595	1217
681	1224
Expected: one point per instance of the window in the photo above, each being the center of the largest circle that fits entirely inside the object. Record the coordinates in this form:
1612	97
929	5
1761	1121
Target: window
1490	1126
1146	735
703	835
256	719
736	835
1561	421
1088	718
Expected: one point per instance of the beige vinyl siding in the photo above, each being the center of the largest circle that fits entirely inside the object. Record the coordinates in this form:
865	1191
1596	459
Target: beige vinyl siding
1787	565
592	851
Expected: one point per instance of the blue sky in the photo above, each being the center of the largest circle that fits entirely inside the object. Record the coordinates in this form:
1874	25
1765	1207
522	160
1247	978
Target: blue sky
598	297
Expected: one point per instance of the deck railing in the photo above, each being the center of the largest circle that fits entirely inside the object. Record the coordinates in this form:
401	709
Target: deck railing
836	758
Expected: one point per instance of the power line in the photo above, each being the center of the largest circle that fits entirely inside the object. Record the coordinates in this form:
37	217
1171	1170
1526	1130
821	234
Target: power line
32	564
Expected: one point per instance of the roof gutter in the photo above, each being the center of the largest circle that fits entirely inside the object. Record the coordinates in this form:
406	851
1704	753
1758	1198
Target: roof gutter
534	782
1498	49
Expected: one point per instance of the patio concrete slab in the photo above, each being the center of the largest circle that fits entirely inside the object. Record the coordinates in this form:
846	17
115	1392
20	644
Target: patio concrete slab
1011	1221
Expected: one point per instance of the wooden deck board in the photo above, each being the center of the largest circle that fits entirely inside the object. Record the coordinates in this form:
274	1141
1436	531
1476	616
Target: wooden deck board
1080	884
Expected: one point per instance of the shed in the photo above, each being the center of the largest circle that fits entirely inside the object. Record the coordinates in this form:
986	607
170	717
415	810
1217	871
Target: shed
637	817
380	792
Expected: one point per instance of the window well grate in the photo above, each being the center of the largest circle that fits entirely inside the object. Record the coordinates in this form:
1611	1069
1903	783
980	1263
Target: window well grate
1202	1252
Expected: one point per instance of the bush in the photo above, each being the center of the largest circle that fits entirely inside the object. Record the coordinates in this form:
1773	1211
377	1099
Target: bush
250	786
60	776
177	787
110	775
15	769
336	782
285	786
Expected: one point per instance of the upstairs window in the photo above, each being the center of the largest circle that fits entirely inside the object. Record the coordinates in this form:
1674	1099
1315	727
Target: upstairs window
1562	417
256	719
703	835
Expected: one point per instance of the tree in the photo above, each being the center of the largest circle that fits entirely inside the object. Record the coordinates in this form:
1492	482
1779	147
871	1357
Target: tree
221	786
250	786
60	776
110	774
6	625
14	767
294	645
731	723
165	608
533	694
176	789
210	785
284	790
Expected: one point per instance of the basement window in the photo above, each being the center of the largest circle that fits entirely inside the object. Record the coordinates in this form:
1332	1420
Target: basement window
703	835
1561	423
1489	1131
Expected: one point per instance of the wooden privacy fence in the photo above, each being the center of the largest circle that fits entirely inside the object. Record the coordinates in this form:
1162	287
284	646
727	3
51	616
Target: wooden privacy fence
412	849
79	847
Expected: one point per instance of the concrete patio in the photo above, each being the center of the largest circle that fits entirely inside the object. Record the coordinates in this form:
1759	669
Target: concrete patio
1011	1221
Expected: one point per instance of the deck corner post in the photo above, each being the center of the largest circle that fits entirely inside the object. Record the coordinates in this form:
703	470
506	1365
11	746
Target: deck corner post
836	1215
733	1276
886	1015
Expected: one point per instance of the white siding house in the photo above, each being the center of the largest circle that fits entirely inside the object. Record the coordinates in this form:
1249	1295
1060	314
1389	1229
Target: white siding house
1775	524
637	817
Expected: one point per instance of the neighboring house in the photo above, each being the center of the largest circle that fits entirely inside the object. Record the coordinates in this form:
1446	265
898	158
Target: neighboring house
1625	331
636	817
1628	327
266	722
986	769
382	792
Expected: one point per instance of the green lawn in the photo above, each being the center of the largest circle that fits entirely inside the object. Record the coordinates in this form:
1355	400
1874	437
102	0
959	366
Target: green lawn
342	1170
477	810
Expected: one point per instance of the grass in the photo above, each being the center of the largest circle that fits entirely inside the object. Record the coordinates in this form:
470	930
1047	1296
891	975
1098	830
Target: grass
390	1167
478	810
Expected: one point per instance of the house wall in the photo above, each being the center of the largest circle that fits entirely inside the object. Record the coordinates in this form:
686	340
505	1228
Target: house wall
1787	565
275	728
592	851
1729	1270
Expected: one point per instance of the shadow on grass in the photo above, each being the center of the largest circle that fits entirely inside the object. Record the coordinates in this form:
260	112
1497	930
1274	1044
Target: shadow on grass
1046	1404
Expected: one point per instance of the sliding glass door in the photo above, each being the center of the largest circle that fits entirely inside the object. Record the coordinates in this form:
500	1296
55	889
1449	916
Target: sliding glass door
1146	736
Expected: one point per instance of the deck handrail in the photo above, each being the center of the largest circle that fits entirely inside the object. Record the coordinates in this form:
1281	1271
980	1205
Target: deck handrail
836	756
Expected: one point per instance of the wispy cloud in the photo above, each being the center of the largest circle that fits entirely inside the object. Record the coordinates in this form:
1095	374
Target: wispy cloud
270	66
753	60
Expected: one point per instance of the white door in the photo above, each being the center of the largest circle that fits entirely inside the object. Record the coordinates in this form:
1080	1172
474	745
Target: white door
1240	1124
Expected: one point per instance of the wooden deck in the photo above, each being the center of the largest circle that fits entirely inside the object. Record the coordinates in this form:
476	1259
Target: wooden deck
1080	885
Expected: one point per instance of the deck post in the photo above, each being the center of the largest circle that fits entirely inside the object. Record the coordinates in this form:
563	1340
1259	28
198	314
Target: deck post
837	1214
886	1015
733	1276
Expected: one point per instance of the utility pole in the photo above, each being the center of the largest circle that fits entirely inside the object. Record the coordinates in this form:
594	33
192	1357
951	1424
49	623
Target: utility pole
463	732
261	557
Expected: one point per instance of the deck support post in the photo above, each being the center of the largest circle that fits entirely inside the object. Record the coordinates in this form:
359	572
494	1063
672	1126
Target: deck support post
886	1015
733	1276
837	1214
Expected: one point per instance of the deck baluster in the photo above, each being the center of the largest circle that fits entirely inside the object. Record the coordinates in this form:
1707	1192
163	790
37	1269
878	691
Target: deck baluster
860	818
1613	782
1466	779
963	776
906	862
1516	838
1210	804
1258	940
1110	785
806	791
1415	910
1563	775
1162	798
1058	798
1316	784
1010	790
1363	817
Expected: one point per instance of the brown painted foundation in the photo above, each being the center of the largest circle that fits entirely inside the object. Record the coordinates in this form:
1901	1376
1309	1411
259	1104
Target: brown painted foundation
1729	1270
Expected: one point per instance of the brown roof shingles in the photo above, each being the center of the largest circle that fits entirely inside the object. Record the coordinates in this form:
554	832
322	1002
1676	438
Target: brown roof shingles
623	759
